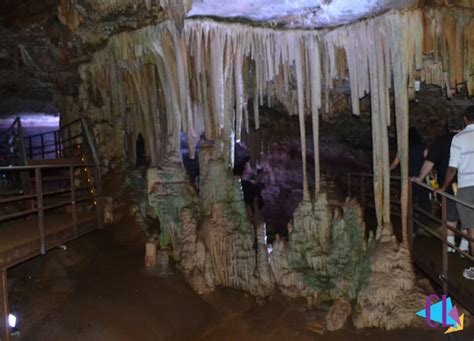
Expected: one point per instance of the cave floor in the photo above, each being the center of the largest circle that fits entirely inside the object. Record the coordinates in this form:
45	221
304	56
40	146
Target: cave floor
98	289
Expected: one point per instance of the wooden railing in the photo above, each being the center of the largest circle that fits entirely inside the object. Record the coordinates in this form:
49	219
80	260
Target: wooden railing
67	196
361	185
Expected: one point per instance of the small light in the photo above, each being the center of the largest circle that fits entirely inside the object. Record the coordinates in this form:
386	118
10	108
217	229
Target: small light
85	169
88	180
12	321
417	85
95	202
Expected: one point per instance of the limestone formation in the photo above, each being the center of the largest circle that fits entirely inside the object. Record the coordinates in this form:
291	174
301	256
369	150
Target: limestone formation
198	76
175	203
326	254
385	302
238	257
338	315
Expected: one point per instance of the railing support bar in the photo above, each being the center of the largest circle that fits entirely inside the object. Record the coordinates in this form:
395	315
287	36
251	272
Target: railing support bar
100	202
42	146
4	328
444	213
39	200
73	200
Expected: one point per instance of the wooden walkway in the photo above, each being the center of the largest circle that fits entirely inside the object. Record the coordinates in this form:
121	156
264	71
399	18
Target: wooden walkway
53	194
20	241
427	256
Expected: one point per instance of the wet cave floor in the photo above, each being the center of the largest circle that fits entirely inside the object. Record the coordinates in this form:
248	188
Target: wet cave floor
98	289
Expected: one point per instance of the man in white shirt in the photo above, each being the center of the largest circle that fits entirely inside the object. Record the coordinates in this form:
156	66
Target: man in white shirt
462	162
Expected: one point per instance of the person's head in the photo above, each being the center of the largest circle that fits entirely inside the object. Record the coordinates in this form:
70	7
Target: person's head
454	124
469	115
414	137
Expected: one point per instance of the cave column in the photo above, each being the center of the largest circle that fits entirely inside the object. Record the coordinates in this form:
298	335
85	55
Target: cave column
315	74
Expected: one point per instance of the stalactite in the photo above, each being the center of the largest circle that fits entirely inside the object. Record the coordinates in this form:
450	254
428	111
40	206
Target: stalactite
194	70
315	77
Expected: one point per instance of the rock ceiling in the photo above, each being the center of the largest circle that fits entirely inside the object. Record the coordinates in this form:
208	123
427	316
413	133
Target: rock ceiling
296	13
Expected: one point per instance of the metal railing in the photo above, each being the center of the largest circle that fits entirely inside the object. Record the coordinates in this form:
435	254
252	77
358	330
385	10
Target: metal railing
364	186
12	148
60	143
70	196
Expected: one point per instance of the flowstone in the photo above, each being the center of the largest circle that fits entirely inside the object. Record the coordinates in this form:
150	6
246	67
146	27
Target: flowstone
326	255
175	202
239	259
385	302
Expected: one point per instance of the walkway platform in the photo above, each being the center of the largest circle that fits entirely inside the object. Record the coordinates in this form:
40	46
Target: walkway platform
427	256
20	241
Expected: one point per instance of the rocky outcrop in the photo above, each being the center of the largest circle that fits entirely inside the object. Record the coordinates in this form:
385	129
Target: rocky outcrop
385	302
326	255
338	314
238	258
175	203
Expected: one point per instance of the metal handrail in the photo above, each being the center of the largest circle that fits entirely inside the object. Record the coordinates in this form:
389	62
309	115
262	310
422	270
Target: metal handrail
24	168
53	131
38	197
443	278
433	190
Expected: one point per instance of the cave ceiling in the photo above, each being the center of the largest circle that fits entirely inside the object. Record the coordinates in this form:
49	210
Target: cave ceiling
296	13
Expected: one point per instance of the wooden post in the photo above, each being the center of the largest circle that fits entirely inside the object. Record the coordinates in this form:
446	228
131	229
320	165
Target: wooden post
39	198
444	212
4	328
73	200
410	218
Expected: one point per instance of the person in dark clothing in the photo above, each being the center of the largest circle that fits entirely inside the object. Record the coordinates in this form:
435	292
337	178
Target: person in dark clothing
438	157
417	153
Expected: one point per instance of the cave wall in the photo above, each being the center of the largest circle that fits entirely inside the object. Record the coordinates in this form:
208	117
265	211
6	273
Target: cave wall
143	74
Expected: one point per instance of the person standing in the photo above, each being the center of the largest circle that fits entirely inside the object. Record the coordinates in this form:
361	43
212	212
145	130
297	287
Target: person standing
417	152
461	162
438	156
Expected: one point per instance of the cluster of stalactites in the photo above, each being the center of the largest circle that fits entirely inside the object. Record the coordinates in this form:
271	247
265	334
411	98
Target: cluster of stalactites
449	44
200	79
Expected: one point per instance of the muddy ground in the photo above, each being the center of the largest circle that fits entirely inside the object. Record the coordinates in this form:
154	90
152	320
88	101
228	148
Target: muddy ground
98	289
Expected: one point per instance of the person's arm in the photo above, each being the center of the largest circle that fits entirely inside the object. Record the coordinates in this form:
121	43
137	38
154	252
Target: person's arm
425	153
454	160
425	170
395	163
450	174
